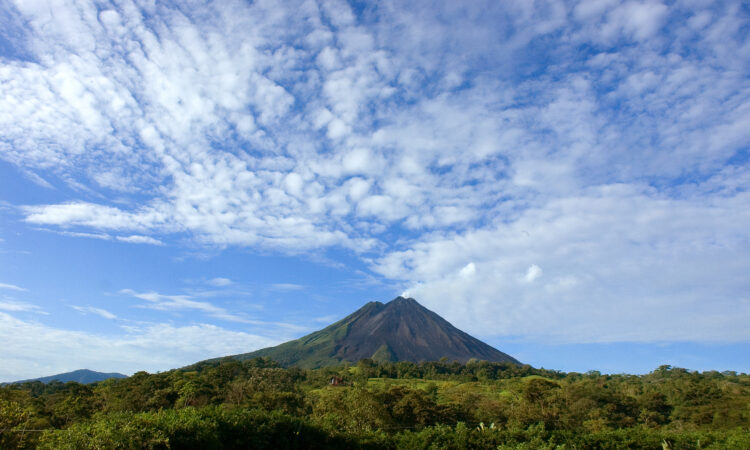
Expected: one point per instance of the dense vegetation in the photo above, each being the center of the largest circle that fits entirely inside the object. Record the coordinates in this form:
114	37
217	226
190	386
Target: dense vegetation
257	404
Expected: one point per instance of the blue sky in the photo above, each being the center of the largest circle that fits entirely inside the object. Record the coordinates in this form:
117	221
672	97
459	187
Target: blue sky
567	181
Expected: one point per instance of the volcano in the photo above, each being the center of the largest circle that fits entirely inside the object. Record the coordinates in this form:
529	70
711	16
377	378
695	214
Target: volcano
400	330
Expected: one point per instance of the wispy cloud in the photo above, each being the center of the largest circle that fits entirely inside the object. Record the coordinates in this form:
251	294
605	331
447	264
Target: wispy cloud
183	302
220	282
11	287
138	239
175	303
287	287
133	239
101	236
36	179
13	305
93	310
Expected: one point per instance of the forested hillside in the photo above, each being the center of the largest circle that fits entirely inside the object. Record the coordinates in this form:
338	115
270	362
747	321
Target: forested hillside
257	404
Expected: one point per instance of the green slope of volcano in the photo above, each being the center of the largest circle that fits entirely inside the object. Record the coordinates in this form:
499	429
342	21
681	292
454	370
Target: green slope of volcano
400	330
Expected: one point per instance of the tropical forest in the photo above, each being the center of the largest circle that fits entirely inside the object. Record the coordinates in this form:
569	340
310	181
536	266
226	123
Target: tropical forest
258	404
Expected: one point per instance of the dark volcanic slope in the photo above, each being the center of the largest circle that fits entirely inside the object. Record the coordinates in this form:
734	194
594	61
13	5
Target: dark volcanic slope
401	330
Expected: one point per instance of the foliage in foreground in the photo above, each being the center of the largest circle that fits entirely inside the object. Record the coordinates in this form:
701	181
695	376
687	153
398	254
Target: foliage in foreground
256	404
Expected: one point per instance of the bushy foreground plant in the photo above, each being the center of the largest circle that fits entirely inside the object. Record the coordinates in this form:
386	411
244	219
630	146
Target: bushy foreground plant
194	428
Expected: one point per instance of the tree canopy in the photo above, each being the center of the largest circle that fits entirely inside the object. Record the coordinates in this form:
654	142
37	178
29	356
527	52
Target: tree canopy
257	404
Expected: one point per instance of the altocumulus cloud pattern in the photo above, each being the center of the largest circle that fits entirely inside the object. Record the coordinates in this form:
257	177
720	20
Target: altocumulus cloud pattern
567	171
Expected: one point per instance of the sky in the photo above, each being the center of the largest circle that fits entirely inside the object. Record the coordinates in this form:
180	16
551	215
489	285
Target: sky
567	181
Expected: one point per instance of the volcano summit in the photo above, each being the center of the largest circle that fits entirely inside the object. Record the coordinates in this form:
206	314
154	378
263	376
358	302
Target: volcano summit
400	330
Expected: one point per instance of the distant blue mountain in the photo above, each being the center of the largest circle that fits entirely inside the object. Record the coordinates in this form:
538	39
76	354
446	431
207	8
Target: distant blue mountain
83	376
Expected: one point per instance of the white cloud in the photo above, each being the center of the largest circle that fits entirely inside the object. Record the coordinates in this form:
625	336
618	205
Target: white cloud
431	161
37	179
641	19
532	273
612	19
220	282
13	305
89	214
184	302
294	184
138	239
287	287
618	266
361	160
357	188
101	236
418	141
468	270
93	310
12	287
32	349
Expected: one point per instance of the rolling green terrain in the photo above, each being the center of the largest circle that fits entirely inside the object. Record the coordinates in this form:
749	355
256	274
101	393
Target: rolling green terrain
258	404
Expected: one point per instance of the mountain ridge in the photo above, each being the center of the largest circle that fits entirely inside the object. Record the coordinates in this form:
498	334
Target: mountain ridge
83	376
400	330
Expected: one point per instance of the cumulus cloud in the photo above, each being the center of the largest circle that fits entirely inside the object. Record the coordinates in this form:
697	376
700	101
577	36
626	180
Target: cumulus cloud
641	19
618	266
